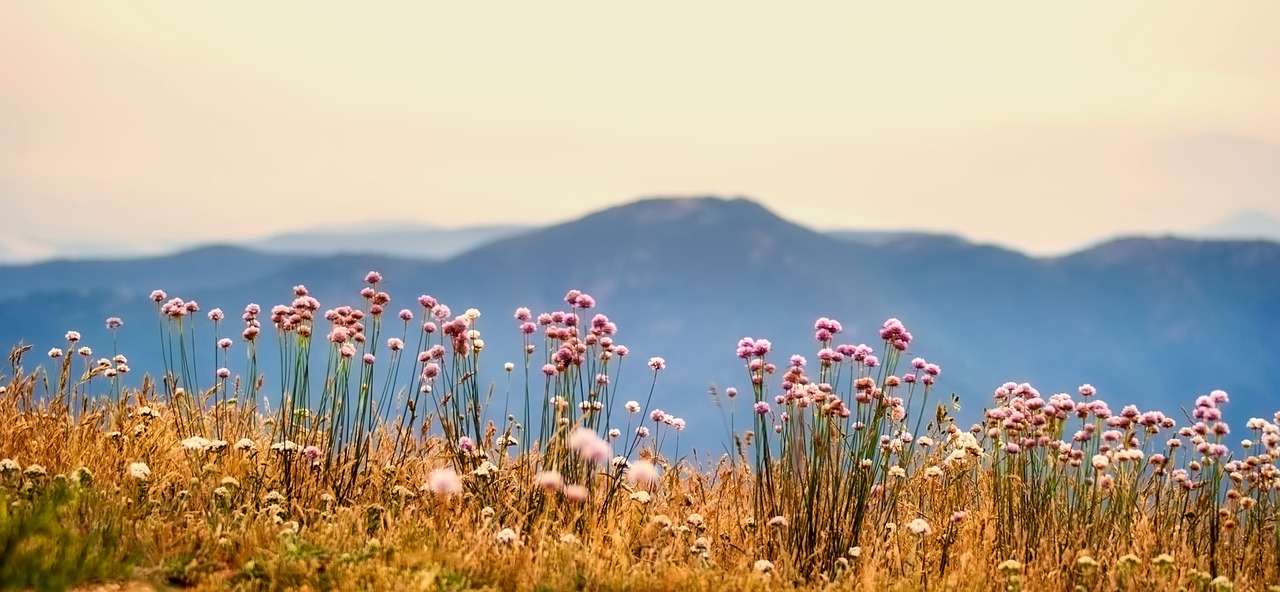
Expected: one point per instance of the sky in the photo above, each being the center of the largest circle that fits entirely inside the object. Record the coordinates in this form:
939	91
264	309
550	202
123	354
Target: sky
1042	126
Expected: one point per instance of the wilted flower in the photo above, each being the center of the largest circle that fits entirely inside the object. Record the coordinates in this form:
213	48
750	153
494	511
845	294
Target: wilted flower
919	527
139	471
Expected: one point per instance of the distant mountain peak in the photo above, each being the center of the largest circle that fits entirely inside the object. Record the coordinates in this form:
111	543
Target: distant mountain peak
1249	224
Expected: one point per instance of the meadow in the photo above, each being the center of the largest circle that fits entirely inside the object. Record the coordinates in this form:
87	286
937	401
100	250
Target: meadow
843	470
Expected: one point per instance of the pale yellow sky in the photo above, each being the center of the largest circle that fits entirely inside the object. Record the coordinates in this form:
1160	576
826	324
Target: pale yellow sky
1039	125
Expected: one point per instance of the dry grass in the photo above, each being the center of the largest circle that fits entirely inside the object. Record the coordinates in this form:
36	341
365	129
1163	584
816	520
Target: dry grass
860	508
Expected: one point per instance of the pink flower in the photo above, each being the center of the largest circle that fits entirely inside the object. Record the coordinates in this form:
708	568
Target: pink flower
731	392
444	482
224	373
395	344
657	363
576	493
158	296
523	314
114	323
372	277
589	446
762	408
548	480
406	315
368	358
1087	390
642	471
427	302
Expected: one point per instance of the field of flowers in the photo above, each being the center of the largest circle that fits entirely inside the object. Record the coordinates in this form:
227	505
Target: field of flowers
846	471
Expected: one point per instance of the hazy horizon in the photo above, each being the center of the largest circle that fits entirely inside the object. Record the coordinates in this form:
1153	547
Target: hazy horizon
1040	128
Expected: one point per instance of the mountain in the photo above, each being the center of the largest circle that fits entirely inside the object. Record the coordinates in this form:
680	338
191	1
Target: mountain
1243	225
1154	322
415	241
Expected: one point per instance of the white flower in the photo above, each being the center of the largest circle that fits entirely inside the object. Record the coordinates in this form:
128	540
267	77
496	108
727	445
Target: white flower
919	527
507	536
471	314
763	566
1100	461
139	471
855	552
695	519
35	471
245	444
508	366
288	446
196	444
485	468
641	496
633	407
8	465
778	521
569	539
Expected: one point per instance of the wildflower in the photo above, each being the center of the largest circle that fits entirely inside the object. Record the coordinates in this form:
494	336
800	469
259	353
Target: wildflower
1100	461
576	493
896	471
508	366
244	444
82	476
933	472
919	527
1009	567
615	433
1086	562
700	545
286	447
662	521
589	446
9	465
548	480
485	469
1162	560
778	521
33	471
444	482
696	520
855	552
139	471
763	566
642	471
55	353
507	536
641	496
487	512
195	444
569	539
73	336
657	363
762	408
311	452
